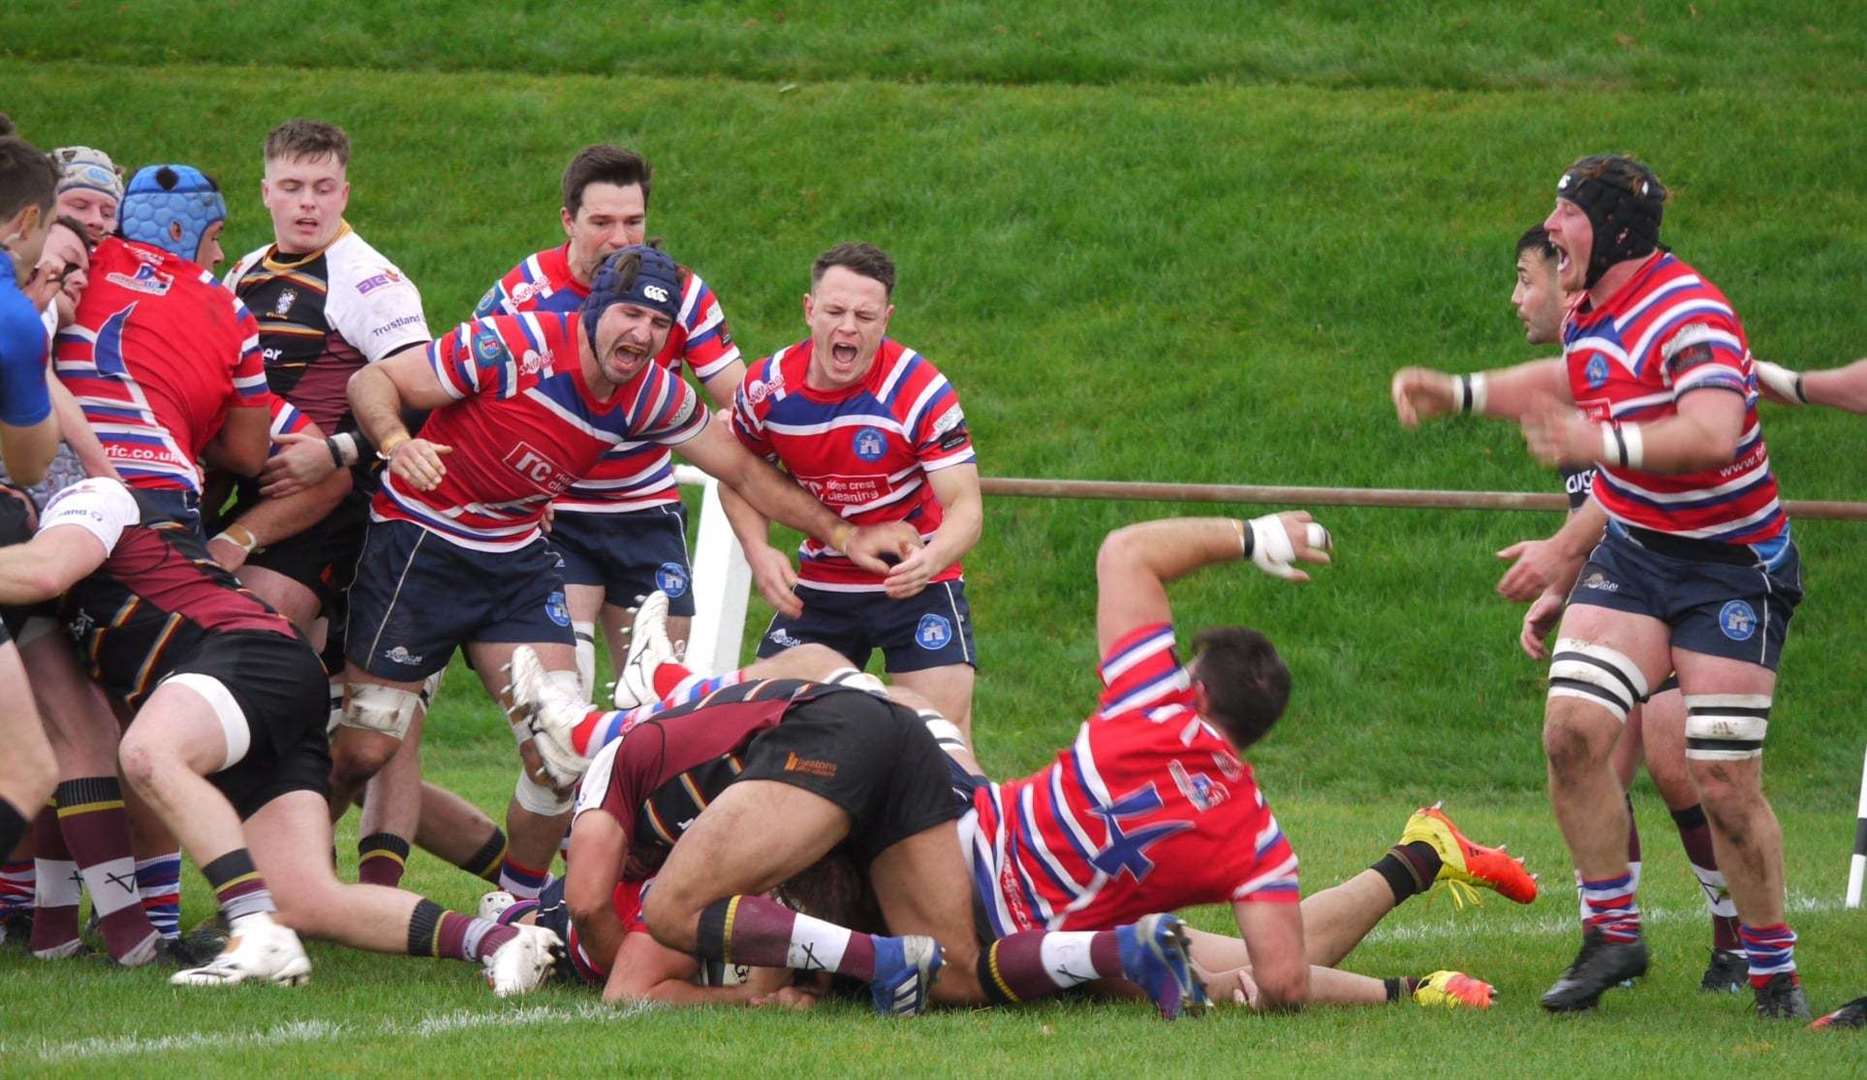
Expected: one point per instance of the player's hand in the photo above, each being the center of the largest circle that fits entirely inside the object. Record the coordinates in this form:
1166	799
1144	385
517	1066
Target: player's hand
880	548
228	554
550	518
1421	394
1235	987
772	573
788	997
1780	384
1538	566
418	462
1280	541
1538	621
301	461
1557	434
911	574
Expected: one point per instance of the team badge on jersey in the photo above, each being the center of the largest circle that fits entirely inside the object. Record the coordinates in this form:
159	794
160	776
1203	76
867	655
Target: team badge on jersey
146	279
1597	372
283	305
671	578
933	632
487	346
869	444
1738	620
557	608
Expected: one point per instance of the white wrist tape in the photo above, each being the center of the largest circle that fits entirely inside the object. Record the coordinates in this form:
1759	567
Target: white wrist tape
1271	549
347	446
1782	382
1623	445
1469	392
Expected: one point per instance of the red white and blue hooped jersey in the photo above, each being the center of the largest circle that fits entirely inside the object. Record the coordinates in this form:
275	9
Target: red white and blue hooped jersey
865	452
1150	809
1667	333
157	353
524	426
287	419
637	474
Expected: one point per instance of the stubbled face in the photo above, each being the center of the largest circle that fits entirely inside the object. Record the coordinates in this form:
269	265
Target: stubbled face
609	219
306	198
1569	230
628	338
1539	301
63	267
848	316
209	254
95	209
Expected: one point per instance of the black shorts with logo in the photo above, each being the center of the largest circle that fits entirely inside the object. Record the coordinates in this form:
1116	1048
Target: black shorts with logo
417	596
281	689
871	757
629	555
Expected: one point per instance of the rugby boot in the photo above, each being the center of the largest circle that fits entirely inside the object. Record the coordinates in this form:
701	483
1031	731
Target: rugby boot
1601	965
1728	972
905	971
259	950
1153	957
1851	1015
549	705
1782	998
1464	866
1454	990
649	648
524	963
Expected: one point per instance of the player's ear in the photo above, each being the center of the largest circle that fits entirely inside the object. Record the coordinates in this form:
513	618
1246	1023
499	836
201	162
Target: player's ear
807	306
565	216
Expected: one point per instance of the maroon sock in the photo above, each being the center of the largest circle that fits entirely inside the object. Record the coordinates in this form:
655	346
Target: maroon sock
381	858
760	932
1035	963
435	931
1695	835
56	888
97	831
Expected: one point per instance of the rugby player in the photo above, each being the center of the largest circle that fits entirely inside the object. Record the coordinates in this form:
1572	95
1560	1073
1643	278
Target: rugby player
29	437
227	741
90	187
1655	730
524	404
1123	741
1696	573
877	433
621	530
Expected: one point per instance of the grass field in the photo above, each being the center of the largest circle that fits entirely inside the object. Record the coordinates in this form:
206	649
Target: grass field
1144	246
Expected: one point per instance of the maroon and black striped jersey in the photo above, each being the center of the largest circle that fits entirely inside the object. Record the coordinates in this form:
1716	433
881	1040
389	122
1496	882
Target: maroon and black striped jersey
157	597
658	777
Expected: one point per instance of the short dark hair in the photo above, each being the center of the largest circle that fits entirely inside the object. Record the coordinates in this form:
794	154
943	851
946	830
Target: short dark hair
865	259
1247	684
7	127
28	177
303	139
1536	238
605	163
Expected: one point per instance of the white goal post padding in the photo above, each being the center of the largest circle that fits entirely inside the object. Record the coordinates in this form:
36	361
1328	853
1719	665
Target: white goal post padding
722	582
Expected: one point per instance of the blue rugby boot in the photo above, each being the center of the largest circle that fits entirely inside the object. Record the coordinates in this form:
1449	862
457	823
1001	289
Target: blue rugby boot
905	970
1153	957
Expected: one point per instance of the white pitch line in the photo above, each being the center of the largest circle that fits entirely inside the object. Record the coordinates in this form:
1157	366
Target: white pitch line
425	1027
1567	921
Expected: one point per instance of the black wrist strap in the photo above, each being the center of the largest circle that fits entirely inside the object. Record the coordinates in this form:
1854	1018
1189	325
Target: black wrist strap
337	453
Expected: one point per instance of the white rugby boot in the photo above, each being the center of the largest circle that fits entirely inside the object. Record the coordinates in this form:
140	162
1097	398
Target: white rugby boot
649	648
549	705
258	950
522	964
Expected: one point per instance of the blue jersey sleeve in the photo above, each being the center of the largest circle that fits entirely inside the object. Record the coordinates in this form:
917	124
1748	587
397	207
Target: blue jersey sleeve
23	397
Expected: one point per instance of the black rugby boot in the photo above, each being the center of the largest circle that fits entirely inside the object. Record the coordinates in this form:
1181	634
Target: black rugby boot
1600	966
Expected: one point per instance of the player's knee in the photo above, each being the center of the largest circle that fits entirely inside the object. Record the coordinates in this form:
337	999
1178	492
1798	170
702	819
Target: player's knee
380	710
672	919
143	760
1571	742
357	756
539	799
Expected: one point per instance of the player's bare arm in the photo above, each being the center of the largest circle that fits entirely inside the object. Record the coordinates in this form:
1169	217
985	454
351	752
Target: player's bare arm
724	384
777	497
772	572
600	844
1551	564
76	431
1136	561
962	520
302	461
241	444
1703	434
47	565
378	394
1273	936
1507	393
1843	388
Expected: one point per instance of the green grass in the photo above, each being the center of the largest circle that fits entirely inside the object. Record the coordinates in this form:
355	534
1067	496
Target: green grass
1151	247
